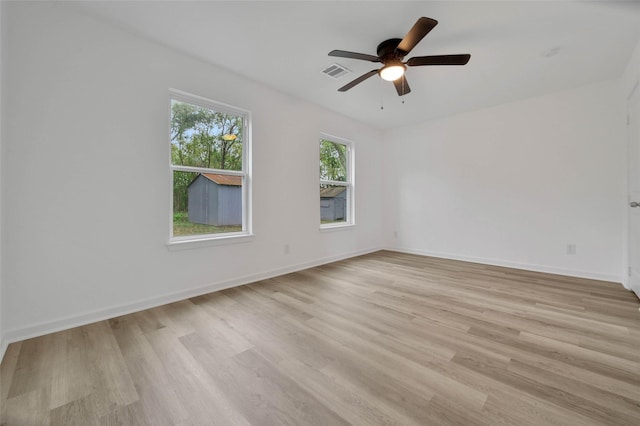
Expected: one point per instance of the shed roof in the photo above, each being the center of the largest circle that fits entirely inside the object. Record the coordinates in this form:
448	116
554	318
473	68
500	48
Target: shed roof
224	179
332	191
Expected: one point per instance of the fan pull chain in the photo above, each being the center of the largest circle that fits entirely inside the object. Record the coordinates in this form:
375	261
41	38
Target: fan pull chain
381	97
404	80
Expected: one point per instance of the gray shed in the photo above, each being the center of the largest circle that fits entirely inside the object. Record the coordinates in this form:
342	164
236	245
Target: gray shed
215	199
333	203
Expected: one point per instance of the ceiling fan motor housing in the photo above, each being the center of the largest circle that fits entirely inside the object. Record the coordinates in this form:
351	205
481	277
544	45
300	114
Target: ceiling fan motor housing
387	50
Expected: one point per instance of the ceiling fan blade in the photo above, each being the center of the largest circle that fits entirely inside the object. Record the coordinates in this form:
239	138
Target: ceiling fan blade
402	87
358	80
420	29
354	55
439	60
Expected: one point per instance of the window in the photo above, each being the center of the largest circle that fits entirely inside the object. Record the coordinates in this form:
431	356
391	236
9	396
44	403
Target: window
210	169
336	182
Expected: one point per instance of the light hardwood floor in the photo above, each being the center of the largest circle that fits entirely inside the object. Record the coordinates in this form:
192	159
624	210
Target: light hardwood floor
385	338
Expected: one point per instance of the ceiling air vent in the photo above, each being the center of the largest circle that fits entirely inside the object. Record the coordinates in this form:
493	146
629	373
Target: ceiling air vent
335	71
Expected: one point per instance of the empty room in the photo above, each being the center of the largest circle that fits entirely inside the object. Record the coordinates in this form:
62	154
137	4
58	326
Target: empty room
319	212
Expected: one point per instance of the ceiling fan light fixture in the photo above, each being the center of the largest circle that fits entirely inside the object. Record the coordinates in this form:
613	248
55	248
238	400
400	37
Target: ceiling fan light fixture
393	71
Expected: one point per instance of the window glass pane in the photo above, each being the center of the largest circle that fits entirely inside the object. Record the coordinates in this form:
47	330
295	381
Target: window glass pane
206	203
333	161
333	203
203	137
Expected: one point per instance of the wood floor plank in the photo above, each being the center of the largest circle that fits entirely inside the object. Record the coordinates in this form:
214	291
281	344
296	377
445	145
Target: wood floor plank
203	400
78	412
129	415
508	409
373	384
382	339
445	412
8	369
32	371
157	395
402	367
110	379
348	400
609	404
258	391
71	372
28	408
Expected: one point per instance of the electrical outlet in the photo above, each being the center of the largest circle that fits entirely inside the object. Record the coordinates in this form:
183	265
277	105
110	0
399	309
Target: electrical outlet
287	249
395	234
571	249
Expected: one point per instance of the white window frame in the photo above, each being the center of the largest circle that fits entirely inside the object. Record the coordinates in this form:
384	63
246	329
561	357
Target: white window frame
190	241
350	184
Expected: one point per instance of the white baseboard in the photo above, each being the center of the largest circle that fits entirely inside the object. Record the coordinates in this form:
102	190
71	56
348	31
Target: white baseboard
77	320
625	283
515	265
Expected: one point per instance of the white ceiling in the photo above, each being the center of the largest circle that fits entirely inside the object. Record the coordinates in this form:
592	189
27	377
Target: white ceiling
285	44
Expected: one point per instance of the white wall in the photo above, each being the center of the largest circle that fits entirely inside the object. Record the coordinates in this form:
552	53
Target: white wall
88	136
631	73
513	185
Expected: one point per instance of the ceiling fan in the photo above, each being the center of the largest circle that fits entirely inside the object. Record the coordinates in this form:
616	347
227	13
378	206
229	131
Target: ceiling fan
391	53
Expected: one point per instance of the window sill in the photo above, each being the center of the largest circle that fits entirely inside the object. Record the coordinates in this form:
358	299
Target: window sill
192	243
341	227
